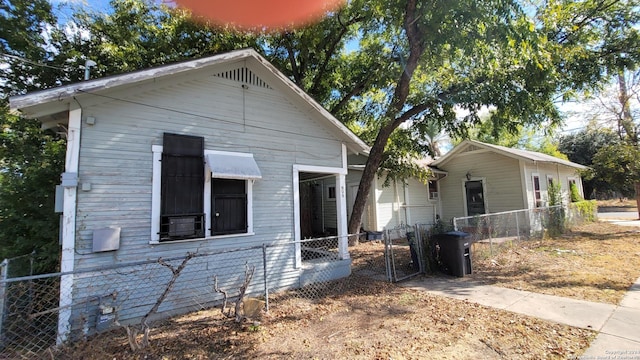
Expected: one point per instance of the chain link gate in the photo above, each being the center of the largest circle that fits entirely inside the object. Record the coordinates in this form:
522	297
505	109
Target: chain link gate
403	252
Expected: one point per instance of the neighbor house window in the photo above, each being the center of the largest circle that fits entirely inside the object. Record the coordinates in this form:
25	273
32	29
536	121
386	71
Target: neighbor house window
199	193
433	190
536	191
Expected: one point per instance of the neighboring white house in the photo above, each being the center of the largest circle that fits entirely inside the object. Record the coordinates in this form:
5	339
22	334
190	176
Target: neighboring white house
400	202
197	156
484	178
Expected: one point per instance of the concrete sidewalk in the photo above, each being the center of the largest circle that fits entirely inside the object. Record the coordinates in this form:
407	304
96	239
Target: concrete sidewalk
618	326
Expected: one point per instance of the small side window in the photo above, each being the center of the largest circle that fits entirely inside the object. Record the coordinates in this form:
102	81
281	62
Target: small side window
331	192
536	191
433	190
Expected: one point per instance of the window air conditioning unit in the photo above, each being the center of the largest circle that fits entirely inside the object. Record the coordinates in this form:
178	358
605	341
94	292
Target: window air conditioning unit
182	226
433	195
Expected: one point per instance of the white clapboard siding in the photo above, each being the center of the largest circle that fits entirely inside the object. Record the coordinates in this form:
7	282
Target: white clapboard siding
388	201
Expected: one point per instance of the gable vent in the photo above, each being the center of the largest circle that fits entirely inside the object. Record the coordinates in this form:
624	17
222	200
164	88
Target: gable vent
471	148
245	76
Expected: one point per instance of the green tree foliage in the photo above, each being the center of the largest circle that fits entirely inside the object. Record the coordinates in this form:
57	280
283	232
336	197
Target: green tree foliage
416	62
520	137
556	220
31	160
581	147
555	194
574	193
596	38
28	47
618	165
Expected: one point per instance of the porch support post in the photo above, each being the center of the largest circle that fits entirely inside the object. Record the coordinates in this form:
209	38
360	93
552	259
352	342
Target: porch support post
341	204
296	215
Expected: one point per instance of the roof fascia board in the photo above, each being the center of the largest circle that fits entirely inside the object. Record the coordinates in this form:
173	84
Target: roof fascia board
123	92
67	91
559	161
455	152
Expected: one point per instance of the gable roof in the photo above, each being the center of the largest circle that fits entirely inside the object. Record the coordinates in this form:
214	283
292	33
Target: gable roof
56	100
525	155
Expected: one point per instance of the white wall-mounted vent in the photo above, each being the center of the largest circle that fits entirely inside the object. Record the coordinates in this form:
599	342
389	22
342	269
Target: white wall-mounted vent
245	76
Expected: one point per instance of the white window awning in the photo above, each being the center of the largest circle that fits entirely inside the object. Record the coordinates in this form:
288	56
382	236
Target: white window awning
231	165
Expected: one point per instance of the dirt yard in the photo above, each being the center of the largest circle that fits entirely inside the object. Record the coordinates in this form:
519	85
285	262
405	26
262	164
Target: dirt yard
596	262
361	318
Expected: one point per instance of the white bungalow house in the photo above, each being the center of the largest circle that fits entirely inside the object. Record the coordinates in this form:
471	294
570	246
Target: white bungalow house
197	156
400	202
484	178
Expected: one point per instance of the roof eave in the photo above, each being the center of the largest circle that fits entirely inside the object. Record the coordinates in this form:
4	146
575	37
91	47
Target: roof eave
22	103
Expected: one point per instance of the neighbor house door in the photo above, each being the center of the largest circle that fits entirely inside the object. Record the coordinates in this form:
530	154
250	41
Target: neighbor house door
475	197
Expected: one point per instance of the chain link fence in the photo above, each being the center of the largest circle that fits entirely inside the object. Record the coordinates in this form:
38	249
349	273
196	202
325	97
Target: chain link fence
490	233
40	312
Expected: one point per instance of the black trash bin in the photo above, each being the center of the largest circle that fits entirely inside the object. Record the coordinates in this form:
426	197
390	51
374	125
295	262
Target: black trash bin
455	252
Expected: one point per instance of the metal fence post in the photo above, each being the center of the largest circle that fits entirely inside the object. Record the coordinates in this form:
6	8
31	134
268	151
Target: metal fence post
387	255
488	226
266	283
3	277
418	247
517	227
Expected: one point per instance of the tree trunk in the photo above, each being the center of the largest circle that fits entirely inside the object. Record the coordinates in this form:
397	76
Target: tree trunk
395	116
638	197
370	170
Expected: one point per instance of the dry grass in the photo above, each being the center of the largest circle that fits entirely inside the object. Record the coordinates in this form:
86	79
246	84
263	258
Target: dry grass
595	262
619	203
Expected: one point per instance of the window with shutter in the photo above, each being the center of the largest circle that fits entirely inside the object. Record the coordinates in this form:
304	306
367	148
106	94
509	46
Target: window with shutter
182	187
